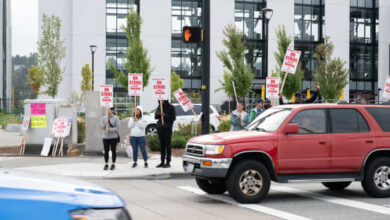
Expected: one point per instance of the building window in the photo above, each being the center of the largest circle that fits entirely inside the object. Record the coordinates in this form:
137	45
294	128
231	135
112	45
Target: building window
248	19
116	41
364	23
309	19
186	57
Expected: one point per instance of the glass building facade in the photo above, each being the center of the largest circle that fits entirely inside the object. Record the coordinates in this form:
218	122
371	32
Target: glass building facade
364	23
116	41
186	58
309	22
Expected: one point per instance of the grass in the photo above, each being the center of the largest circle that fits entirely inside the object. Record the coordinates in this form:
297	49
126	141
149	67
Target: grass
6	119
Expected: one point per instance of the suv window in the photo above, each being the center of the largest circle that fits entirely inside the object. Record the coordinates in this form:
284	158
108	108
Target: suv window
381	116
348	121
311	121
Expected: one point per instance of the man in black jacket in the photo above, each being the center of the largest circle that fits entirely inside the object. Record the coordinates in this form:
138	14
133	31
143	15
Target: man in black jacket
299	99
165	131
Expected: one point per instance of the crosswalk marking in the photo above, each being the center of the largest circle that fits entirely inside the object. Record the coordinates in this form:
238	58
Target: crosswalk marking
254	207
331	199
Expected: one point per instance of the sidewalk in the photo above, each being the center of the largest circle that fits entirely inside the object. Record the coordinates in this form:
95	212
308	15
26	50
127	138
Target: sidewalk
92	167
10	139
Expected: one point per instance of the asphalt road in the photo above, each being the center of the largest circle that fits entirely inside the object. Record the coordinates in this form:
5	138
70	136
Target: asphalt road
182	199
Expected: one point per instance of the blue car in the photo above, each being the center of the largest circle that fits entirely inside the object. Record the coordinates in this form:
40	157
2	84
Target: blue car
30	195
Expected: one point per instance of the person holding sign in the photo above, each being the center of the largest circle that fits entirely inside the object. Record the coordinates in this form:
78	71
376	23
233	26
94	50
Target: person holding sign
239	118
165	116
137	126
299	99
110	125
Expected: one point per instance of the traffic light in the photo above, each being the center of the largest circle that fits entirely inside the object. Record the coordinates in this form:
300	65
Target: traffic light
192	34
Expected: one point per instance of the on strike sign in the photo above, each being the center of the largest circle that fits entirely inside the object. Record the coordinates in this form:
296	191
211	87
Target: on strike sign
106	96
291	60
61	126
135	84
272	87
386	93
182	98
160	88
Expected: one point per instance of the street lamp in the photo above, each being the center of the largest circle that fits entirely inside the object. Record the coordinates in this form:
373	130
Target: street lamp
267	15
93	49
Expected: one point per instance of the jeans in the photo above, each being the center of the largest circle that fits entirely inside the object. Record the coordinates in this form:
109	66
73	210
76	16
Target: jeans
110	143
165	135
141	142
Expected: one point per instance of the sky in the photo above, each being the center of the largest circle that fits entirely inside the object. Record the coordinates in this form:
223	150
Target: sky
24	22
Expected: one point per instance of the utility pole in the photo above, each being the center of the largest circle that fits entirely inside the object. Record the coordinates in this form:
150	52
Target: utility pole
206	69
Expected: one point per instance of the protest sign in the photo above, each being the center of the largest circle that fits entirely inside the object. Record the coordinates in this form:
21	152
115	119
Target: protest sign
160	88
272	84
386	92
38	108
61	127
106	96
38	121
183	100
26	123
291	60
135	84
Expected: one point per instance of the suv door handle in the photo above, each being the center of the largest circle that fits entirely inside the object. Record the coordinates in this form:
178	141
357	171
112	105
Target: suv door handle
322	142
369	141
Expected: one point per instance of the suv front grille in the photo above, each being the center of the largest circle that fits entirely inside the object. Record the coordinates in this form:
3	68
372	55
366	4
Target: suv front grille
194	149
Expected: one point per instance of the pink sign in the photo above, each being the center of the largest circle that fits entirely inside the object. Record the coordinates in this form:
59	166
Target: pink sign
38	108
183	100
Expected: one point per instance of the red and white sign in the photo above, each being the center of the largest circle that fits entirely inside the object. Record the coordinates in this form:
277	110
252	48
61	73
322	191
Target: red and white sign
106	96
182	98
61	127
26	123
386	92
160	88
272	85
135	84
291	60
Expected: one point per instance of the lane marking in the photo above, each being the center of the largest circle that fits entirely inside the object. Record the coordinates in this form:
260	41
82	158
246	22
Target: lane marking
253	207
331	199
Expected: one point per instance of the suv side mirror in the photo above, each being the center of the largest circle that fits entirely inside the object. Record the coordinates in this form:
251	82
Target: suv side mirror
291	129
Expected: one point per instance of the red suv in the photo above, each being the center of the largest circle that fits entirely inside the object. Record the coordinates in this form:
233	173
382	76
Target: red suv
332	143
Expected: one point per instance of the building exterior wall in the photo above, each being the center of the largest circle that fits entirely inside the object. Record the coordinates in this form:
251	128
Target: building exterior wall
5	55
384	44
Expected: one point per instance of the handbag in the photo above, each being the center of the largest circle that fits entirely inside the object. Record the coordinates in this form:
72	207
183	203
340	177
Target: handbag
118	139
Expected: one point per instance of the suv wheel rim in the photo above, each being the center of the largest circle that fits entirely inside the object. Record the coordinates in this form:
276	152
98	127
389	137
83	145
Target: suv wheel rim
382	178
251	182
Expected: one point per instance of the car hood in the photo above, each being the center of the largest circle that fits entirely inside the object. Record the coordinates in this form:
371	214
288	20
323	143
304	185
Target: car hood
232	137
33	188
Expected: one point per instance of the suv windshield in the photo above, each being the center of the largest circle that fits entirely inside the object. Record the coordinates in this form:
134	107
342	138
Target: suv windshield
270	120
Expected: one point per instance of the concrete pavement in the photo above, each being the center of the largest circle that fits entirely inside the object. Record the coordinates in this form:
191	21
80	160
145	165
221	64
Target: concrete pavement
92	167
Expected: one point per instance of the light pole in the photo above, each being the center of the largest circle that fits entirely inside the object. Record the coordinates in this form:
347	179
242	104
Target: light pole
267	15
206	68
93	49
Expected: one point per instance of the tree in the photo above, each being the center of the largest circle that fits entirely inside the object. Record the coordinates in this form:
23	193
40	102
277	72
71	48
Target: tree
237	70
137	59
86	83
293	81
35	77
176	83
51	51
331	73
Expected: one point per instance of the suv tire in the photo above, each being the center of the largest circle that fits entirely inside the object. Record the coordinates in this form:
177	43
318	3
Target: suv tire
377	177
337	186
211	186
248	182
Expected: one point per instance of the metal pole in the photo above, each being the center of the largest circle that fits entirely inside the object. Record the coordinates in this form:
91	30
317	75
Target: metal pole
206	68
93	70
266	47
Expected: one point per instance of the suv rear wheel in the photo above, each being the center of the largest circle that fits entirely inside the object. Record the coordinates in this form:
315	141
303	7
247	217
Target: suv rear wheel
211	186
376	180
248	182
337	186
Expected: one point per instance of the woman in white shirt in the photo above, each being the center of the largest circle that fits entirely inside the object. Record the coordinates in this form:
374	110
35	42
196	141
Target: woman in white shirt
137	135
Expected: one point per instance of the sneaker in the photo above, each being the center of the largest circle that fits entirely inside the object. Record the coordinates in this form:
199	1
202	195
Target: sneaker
134	165
167	165
160	165
105	167
146	164
112	167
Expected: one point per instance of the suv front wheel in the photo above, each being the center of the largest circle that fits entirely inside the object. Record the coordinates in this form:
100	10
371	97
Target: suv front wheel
376	180
248	182
211	186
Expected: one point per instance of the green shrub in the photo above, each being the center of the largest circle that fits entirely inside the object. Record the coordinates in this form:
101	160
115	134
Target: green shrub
224	126
153	142
80	130
6	119
178	141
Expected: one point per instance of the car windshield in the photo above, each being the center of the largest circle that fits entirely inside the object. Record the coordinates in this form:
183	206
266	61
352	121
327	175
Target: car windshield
270	120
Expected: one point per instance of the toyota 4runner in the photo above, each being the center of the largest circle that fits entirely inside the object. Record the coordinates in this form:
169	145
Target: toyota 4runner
331	143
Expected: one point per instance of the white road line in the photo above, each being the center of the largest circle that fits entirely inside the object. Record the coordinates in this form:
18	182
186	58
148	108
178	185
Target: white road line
254	207
335	200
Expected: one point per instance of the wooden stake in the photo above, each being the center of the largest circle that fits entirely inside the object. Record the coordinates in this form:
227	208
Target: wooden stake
161	112
284	81
23	145
135	102
196	116
61	153
235	93
55	146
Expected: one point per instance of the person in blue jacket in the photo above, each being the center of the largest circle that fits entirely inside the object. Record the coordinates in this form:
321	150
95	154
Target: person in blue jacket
239	118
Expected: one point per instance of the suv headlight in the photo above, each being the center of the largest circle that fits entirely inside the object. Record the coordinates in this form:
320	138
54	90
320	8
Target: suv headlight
100	214
213	149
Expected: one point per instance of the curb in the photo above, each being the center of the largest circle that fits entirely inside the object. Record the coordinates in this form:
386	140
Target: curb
166	176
